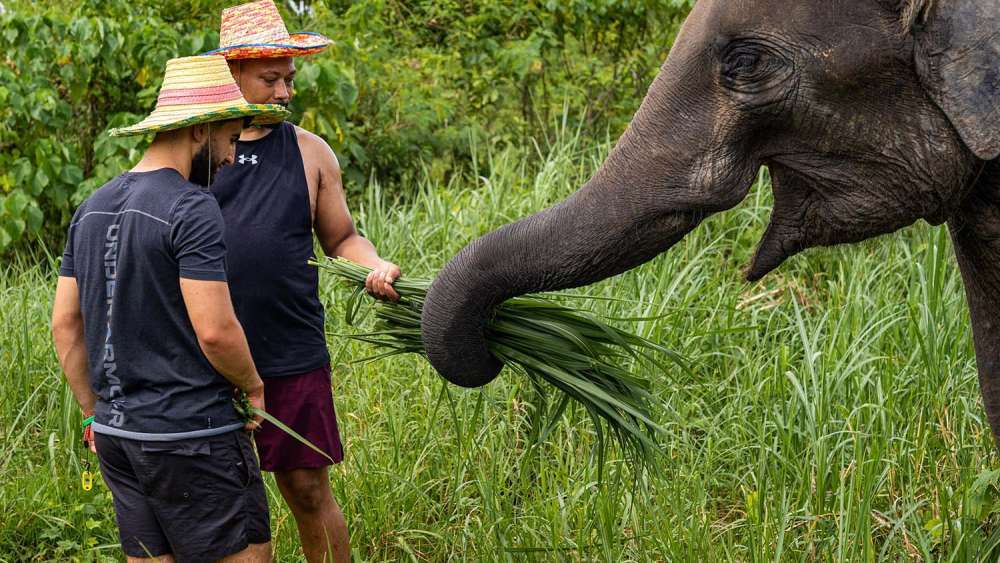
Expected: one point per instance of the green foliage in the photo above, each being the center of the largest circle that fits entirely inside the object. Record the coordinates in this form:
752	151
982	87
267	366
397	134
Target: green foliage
64	80
407	86
832	411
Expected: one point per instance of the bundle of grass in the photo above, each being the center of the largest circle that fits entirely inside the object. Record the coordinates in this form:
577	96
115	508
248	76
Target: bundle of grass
551	344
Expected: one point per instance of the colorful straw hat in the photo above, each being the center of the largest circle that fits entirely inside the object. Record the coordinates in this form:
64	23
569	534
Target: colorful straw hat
256	31
199	90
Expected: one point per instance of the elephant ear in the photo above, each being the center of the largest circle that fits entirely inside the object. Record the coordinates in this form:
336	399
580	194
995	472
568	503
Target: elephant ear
957	52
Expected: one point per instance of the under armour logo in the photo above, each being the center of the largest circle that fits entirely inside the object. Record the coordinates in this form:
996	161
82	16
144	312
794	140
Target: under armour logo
252	159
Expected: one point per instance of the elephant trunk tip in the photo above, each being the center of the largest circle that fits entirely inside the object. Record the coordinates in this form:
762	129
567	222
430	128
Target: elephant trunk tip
453	328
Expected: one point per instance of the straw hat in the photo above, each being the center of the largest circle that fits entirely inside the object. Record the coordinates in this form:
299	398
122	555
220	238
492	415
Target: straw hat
199	90
256	31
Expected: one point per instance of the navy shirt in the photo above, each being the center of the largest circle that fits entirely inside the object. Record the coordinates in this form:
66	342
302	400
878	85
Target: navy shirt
128	246
265	201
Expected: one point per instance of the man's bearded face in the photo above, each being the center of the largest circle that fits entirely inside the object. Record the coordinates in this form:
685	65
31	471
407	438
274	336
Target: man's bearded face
202	168
218	150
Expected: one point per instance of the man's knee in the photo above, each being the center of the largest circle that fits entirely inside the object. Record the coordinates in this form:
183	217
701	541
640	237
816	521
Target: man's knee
306	490
254	553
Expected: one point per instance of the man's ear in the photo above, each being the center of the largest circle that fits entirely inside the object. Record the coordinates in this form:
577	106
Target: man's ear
234	68
957	54
199	133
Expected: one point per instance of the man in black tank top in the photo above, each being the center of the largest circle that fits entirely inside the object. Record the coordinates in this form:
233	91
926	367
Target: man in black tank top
284	186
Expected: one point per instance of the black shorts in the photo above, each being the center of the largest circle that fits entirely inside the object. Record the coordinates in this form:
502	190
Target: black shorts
199	499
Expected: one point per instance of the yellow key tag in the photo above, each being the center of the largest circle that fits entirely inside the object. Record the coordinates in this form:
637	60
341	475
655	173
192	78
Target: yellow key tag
87	480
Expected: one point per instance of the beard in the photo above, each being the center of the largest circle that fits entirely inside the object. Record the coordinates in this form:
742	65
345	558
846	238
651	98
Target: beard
203	169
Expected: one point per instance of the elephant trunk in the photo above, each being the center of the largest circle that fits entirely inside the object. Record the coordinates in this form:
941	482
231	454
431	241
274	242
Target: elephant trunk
588	237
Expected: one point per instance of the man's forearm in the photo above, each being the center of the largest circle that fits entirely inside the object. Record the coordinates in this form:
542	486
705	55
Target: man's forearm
229	354
72	352
359	250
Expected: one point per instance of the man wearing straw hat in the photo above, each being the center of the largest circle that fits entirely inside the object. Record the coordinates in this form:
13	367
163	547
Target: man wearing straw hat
148	338
285	186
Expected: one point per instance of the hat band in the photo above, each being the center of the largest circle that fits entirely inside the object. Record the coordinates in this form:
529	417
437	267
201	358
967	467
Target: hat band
277	36
204	95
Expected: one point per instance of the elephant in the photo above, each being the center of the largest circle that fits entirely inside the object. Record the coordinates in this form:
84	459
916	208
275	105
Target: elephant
869	114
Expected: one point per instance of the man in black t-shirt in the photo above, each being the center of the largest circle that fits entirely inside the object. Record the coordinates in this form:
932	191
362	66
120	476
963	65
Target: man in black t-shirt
148	339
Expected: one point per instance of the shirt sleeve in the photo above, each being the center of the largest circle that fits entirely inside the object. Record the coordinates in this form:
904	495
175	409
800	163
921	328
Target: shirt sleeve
67	267
197	235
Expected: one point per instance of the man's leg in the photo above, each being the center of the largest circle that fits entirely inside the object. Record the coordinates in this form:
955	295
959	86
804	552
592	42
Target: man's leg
322	528
254	553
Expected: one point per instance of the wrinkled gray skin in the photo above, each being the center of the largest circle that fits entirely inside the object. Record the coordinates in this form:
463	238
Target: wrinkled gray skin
866	120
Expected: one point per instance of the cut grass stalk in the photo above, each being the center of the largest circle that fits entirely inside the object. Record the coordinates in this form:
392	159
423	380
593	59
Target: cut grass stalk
568	349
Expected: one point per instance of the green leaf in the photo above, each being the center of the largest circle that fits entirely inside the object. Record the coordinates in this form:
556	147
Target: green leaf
281	426
22	171
979	497
14	227
35	218
40	183
71	174
15	203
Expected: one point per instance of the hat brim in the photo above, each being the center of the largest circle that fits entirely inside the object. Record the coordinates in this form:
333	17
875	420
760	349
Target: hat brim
168	119
297	45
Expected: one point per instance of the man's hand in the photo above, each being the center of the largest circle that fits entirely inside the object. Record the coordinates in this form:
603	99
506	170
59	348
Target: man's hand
380	279
256	398
88	438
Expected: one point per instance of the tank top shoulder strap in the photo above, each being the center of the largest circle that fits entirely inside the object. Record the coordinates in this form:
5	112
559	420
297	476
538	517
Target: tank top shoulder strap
289	136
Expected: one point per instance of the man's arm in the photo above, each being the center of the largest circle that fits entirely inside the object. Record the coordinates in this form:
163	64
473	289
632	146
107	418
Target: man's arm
71	348
197	240
333	224
221	337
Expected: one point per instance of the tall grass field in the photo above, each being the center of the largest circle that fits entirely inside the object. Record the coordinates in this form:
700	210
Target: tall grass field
831	412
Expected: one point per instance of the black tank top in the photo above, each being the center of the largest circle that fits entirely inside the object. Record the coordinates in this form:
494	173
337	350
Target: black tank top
269	238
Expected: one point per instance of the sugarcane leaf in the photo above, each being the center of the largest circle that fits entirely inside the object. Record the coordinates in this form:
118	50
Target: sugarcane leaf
281	426
554	417
381	356
353	305
568	349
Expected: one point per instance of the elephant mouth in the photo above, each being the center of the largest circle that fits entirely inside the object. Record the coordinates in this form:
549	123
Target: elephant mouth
784	236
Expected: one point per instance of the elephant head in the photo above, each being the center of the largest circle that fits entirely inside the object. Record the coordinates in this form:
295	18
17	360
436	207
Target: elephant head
870	115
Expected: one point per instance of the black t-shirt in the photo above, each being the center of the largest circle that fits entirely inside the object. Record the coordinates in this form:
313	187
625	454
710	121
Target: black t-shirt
128	246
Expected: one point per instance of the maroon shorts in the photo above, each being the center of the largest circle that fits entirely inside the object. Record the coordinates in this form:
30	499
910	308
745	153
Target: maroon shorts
304	403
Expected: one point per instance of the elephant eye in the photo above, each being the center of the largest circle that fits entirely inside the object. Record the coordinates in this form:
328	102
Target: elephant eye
751	66
741	62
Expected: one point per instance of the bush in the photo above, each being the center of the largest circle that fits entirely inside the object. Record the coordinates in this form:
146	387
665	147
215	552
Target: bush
405	87
64	80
